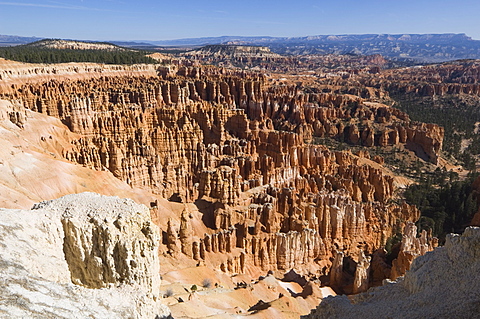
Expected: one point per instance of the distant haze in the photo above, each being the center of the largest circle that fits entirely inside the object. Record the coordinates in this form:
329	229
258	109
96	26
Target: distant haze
165	20
412	48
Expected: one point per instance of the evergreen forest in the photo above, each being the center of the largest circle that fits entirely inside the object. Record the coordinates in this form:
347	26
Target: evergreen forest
32	53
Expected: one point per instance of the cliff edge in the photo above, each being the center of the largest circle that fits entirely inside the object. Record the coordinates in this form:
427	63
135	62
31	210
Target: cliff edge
53	256
440	284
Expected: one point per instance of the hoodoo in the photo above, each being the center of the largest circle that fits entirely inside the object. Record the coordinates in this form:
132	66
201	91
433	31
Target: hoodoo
258	185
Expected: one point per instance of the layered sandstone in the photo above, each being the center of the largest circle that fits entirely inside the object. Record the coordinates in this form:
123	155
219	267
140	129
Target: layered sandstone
253	57
15	73
32	148
451	78
239	154
411	247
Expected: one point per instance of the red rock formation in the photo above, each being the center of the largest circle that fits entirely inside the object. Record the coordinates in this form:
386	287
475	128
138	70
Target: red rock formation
457	77
171	240
410	248
336	271
185	235
228	138
361	281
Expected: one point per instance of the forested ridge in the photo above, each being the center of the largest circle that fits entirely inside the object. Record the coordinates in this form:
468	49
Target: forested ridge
34	53
457	115
447	202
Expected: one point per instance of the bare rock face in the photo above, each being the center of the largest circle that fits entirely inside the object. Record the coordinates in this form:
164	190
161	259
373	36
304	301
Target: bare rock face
410	248
439	284
107	240
13	112
186	235
361	280
429	137
456	77
56	253
172	238
276	200
336	271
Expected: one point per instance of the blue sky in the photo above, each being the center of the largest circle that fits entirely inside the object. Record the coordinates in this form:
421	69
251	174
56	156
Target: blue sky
161	20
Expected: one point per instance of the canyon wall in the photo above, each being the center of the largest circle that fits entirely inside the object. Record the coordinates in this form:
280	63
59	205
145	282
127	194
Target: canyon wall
451	78
244	152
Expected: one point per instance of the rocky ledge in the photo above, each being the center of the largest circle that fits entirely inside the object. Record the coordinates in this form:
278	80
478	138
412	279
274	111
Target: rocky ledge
440	284
53	256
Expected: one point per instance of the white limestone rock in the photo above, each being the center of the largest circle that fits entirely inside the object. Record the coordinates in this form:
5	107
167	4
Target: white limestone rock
83	255
441	284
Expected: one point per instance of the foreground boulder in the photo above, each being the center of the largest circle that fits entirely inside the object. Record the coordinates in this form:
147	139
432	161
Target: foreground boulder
82	255
440	284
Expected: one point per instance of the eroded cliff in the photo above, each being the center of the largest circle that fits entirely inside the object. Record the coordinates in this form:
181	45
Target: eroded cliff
245	147
239	154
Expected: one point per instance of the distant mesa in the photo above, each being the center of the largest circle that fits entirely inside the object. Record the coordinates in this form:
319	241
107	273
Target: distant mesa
66	51
263	40
74	45
419	47
9	40
233	51
234	48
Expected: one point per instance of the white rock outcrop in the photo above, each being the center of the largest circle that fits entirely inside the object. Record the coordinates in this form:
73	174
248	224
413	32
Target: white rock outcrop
82	255
441	284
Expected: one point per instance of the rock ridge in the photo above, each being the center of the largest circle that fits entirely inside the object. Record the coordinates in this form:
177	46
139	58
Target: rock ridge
245	147
240	154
